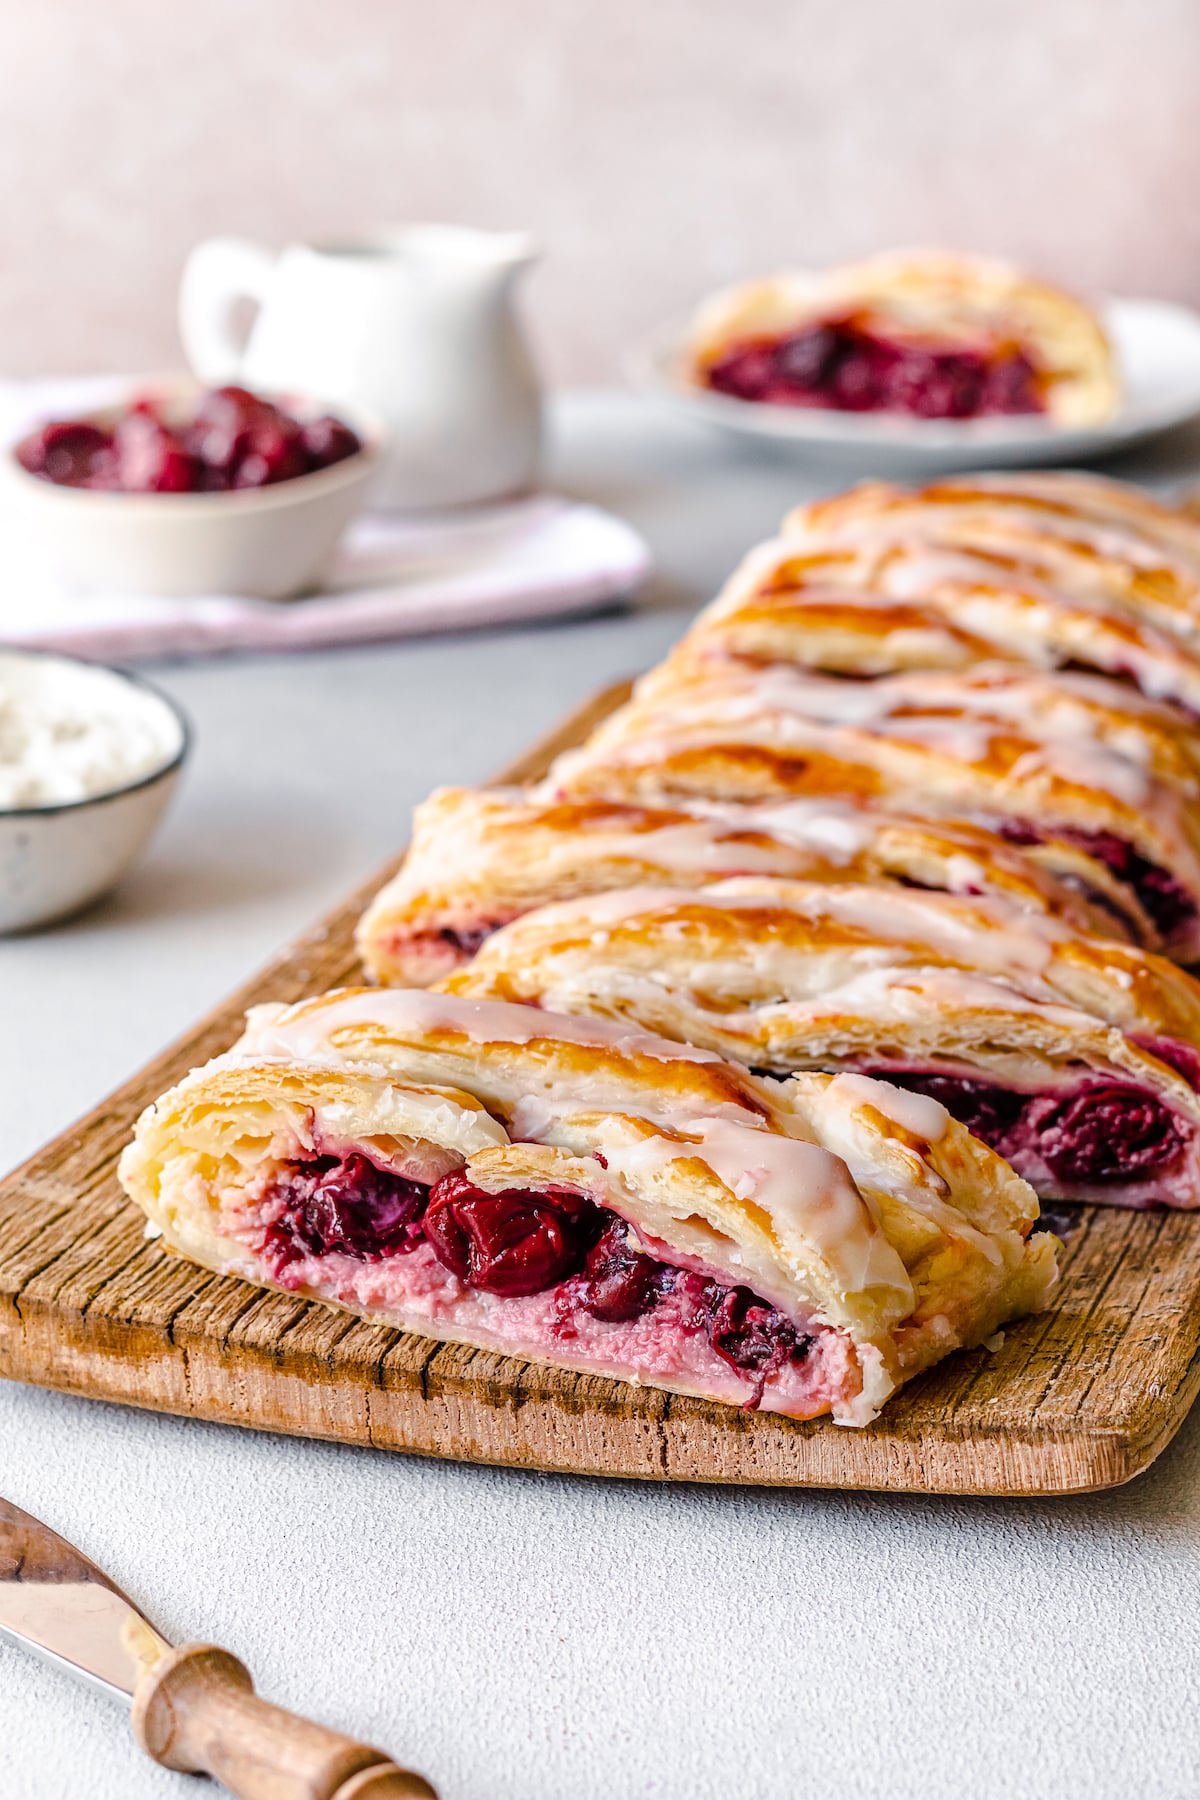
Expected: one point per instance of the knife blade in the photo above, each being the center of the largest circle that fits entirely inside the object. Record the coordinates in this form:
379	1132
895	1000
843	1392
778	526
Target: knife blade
194	1708
54	1601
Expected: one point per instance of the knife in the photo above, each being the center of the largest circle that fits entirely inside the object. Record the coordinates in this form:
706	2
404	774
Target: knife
194	1708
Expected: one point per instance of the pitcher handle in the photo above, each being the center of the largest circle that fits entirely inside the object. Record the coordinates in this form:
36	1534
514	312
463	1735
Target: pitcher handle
218	275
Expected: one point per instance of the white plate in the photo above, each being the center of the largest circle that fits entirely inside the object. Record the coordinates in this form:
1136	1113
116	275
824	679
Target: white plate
1158	353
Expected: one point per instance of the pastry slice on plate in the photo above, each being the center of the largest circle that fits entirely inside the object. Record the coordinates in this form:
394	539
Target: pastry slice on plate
483	856
1075	1057
587	1195
926	333
1035	756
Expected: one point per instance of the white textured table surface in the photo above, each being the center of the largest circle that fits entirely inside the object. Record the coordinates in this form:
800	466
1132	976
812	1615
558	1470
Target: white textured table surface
518	1635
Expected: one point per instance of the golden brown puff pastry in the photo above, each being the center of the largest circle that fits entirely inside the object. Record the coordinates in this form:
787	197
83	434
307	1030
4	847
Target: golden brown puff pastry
588	1195
1034	512
920	332
1074	758
895	600
480	857
1075	1057
1099	544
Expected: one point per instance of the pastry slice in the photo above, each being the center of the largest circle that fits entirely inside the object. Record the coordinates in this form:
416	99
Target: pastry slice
482	856
900	600
922	332
1075	1057
587	1195
1037	757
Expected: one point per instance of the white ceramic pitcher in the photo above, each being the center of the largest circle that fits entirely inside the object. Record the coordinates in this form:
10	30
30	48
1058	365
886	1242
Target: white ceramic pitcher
414	325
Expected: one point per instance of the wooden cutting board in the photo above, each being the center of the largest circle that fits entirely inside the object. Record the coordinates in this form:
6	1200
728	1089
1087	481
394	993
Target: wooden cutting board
1079	1398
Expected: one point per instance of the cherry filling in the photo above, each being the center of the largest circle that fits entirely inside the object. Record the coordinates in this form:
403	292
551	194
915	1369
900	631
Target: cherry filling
235	439
838	364
349	1206
618	1283
511	1243
1162	894
1107	1131
752	1336
516	1243
466	942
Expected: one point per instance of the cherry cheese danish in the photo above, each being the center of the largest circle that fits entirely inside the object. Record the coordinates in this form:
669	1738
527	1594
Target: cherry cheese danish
586	1194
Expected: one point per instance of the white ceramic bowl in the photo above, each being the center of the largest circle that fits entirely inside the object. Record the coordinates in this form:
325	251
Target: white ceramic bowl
272	542
57	858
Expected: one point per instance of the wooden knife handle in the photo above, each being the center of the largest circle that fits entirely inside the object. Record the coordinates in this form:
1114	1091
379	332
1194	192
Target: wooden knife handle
196	1710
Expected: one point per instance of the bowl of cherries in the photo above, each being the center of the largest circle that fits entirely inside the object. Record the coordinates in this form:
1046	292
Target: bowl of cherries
183	491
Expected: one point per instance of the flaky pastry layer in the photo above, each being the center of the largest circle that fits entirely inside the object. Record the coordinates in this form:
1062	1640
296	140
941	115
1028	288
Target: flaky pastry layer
482	857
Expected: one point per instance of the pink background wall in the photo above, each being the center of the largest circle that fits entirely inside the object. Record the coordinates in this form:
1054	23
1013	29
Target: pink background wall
655	147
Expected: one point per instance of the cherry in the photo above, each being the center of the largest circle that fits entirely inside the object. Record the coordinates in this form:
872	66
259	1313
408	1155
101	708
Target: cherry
149	458
1011	385
745	372
754	1338
618	1283
326	441
512	1243
348	1206
69	454
219	433
1183	1058
952	388
1105	1133
809	359
987	1110
236	439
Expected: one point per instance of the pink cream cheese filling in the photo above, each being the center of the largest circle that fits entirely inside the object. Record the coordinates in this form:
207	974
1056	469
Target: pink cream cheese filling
547	1274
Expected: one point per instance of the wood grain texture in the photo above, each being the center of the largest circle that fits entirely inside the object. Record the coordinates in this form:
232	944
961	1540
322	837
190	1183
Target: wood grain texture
1080	1398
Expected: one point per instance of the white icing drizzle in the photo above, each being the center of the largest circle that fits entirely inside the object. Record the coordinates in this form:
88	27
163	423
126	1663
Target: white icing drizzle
807	1193
1083	730
812	1200
916	994
1080	515
987	932
308	1029
700	845
918	1113
840	833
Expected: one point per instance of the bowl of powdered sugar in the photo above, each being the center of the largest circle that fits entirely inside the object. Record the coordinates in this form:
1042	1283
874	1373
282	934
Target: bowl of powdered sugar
89	758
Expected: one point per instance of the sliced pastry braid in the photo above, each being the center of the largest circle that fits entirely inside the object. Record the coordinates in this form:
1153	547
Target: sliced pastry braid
588	1195
1076	1057
1036	756
1054	570
901	599
481	857
1089	534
